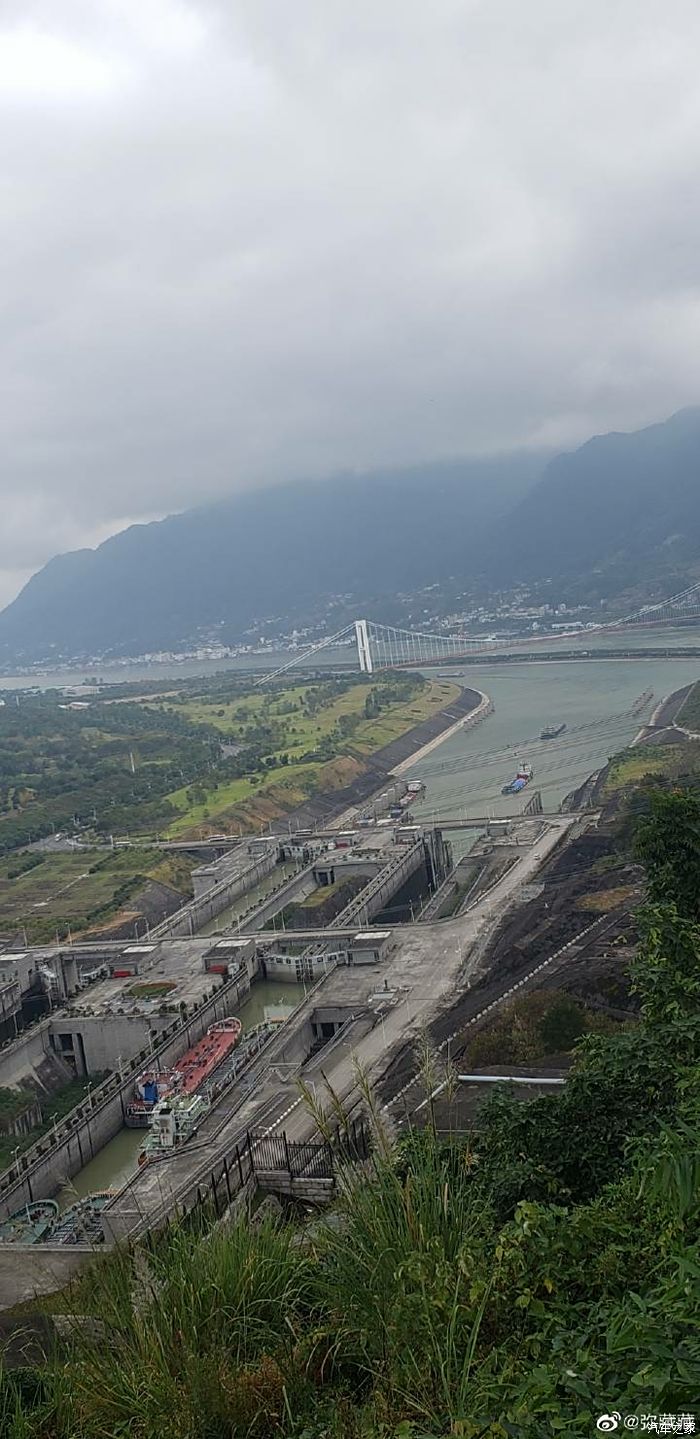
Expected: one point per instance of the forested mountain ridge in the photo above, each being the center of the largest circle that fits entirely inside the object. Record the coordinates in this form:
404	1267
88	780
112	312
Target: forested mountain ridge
266	553
620	505
620	513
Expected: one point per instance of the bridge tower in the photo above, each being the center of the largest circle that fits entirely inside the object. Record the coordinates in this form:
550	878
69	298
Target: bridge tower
364	653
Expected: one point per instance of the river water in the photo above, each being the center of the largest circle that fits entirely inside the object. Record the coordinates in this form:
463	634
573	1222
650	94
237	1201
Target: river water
593	698
133	672
341	655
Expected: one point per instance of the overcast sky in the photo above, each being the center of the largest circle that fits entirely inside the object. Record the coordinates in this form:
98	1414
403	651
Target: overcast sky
254	240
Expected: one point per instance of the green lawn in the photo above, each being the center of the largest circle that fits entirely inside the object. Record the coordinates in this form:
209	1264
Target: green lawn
320	895
304	732
373	734
232	715
297	777
152	991
221	798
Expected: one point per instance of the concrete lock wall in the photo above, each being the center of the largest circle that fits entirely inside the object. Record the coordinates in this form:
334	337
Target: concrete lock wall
192	916
297	887
333	868
20	1059
10	1004
327	1019
57	1156
27	1270
287	969
96	1043
373	898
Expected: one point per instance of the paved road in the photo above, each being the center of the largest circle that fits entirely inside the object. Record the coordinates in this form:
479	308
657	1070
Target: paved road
424	972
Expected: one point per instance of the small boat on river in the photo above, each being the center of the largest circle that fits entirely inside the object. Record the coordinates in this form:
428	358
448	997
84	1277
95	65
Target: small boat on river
520	780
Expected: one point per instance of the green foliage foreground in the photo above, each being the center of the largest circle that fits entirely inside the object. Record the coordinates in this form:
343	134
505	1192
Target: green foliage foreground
520	1285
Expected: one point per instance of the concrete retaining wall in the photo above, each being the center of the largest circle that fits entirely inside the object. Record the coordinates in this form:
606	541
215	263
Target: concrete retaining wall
309	1191
20	1059
100	1043
193	916
27	1270
298	886
375	895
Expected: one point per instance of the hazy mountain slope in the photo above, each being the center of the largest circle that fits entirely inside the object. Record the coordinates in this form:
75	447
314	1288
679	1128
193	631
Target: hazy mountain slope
626	506
613	516
266	553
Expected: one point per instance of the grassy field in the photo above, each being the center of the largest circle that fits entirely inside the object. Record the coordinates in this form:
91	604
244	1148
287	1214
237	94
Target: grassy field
303	731
245	801
156	990
284	789
373	734
68	890
296	741
320	895
632	765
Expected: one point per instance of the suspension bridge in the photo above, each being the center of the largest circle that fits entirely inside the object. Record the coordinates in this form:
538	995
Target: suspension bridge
382	647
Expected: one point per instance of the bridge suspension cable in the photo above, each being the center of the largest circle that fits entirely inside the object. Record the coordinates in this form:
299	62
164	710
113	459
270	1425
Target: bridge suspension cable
386	646
305	655
390	646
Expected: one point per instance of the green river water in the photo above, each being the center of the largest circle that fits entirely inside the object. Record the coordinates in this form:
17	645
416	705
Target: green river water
235	913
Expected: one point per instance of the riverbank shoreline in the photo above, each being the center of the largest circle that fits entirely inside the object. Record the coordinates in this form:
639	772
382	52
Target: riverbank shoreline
485	707
334	809
664	718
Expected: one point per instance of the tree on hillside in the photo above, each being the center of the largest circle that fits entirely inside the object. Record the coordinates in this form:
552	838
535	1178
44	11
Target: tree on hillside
668	845
666	975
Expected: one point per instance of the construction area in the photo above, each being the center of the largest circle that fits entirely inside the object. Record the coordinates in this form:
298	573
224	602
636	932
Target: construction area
375	930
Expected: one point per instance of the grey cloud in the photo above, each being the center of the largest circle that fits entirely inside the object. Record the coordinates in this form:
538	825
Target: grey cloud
246	241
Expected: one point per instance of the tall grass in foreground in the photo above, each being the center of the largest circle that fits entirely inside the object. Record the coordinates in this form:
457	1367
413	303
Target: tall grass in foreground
255	1330
204	1349
262	1330
401	1283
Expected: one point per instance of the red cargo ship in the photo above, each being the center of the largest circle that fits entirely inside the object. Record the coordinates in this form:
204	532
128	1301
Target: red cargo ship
196	1066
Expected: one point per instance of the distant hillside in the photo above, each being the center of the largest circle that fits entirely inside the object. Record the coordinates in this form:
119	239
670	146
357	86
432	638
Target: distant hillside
271	553
619	516
618	513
